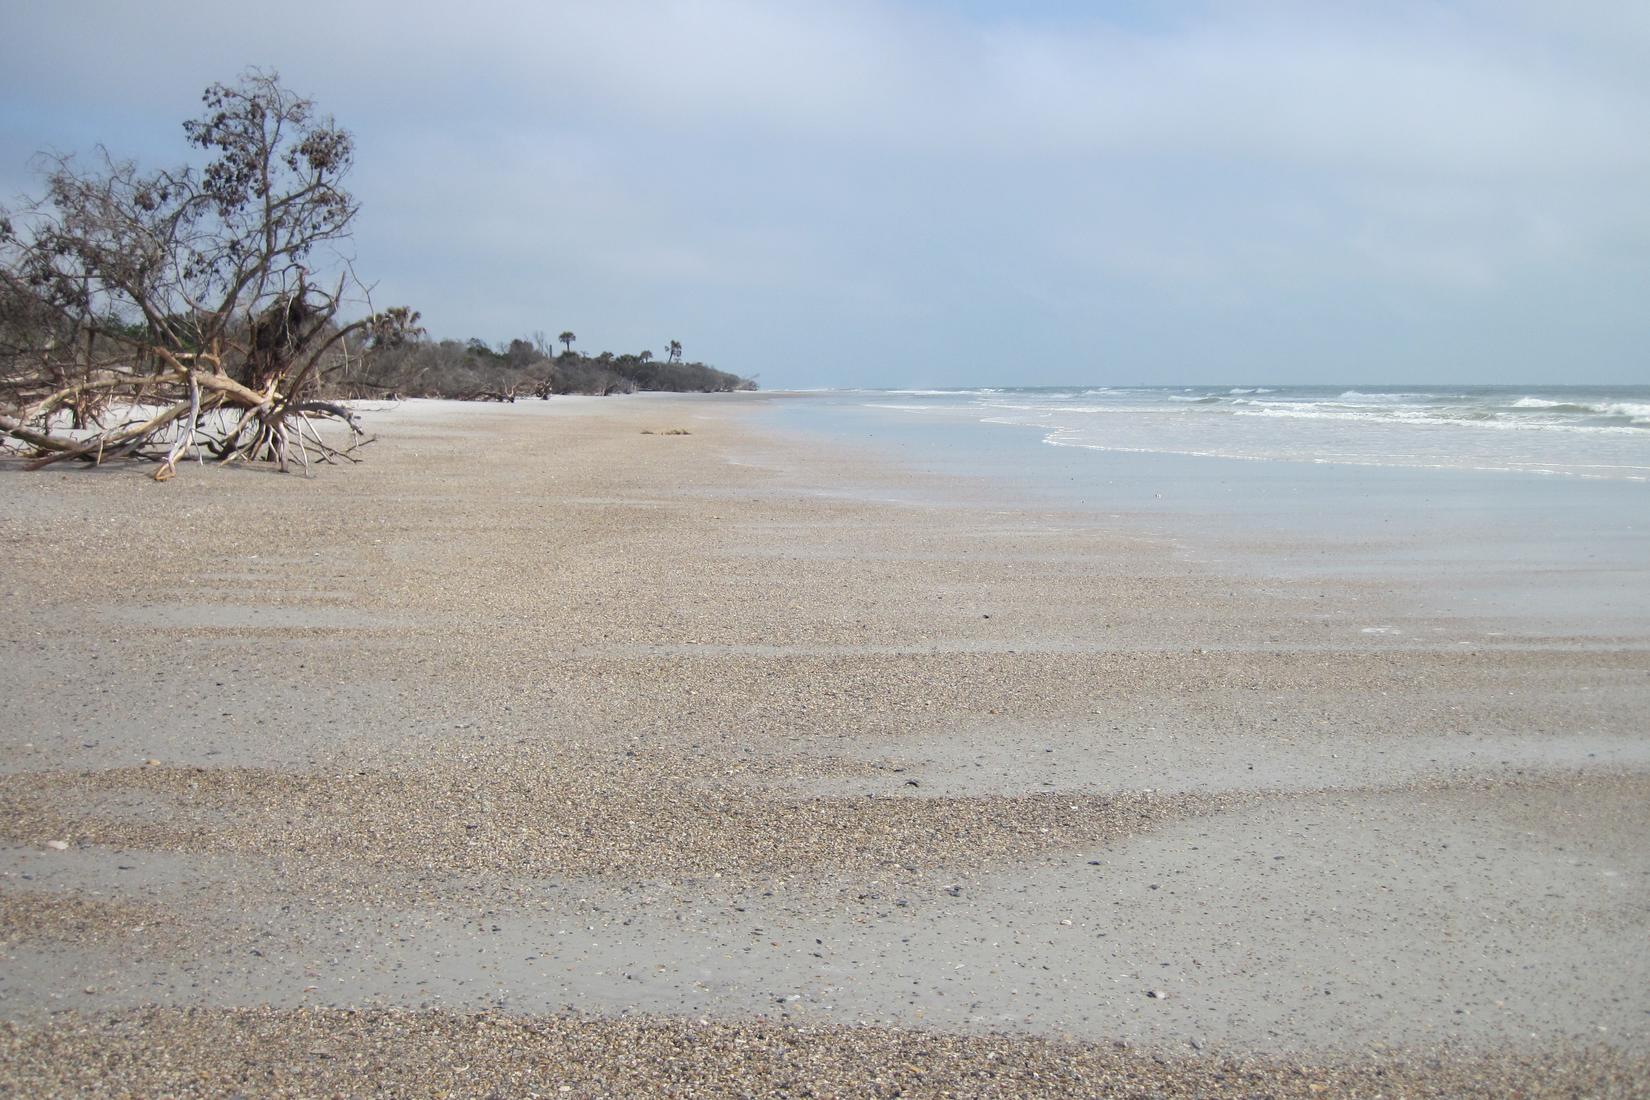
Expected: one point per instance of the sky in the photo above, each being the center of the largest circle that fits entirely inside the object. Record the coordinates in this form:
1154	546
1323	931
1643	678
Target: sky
922	193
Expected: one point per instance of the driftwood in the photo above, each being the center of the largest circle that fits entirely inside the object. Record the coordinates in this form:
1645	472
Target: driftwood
189	406
171	315
507	396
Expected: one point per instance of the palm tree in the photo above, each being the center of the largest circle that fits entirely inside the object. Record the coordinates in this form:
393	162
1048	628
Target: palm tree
567	338
675	351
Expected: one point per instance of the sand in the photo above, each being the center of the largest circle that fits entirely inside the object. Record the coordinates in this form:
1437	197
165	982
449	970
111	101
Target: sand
537	753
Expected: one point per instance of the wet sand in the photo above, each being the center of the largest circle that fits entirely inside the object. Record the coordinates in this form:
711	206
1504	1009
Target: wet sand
720	763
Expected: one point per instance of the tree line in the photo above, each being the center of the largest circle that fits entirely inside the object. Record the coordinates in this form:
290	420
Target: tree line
523	367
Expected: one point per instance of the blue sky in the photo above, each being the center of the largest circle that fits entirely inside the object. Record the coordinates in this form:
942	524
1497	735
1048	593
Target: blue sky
926	193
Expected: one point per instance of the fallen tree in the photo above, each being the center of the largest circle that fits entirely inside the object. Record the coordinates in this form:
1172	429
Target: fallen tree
190	312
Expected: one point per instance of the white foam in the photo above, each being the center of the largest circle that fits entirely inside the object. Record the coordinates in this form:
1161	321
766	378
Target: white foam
1356	395
1500	431
1638	411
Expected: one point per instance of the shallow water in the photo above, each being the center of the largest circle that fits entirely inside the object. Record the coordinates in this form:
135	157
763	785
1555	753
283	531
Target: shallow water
1530	547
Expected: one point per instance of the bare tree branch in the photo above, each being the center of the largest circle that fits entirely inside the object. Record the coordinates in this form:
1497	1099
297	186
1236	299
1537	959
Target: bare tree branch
186	297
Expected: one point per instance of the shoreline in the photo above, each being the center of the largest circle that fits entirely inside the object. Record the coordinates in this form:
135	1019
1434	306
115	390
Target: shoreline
712	725
1499	552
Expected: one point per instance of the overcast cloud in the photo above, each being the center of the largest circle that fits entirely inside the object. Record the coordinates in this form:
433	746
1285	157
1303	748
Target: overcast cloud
931	194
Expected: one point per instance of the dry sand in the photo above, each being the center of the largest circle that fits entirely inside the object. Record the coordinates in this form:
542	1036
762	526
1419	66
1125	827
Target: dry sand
538	755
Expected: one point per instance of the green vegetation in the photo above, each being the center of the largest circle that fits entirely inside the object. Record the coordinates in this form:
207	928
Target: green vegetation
474	370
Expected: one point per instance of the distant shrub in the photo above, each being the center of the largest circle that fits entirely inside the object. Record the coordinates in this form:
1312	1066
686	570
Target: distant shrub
454	368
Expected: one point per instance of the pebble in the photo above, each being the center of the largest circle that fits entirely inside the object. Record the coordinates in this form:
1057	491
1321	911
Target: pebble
194	1054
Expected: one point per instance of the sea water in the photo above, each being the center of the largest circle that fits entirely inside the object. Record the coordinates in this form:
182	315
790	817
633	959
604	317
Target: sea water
1530	505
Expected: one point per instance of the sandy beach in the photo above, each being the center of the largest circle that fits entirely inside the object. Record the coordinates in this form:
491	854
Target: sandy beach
546	753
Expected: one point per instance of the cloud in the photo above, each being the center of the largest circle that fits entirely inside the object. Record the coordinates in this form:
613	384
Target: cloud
914	177
1427	89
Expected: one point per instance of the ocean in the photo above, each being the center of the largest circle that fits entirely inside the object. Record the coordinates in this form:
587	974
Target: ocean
1590	432
1530	504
